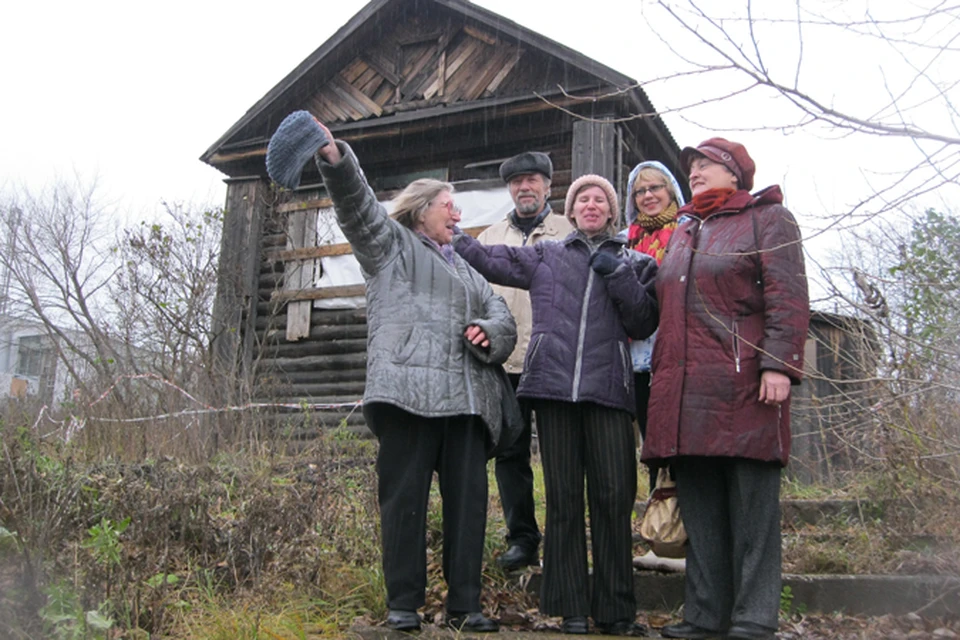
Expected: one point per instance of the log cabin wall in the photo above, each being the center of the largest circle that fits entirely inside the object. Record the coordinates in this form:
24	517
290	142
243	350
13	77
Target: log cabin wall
417	87
326	366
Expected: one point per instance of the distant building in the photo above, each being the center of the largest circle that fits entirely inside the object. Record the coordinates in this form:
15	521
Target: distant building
28	361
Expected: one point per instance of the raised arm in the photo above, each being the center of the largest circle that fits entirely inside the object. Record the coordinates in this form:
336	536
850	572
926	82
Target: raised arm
372	234
500	264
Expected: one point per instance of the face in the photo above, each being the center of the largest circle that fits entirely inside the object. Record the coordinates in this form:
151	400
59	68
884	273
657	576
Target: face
438	221
591	210
651	197
529	192
706	174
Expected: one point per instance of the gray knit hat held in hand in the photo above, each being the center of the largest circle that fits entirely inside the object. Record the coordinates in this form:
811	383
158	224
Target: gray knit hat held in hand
293	145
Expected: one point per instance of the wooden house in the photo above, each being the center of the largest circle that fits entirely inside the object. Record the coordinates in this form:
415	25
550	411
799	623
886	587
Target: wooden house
439	88
445	89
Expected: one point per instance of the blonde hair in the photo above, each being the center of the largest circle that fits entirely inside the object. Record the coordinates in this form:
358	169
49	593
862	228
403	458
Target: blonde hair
409	205
652	174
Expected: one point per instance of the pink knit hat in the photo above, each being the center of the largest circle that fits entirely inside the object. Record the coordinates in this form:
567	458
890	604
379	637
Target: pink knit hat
592	180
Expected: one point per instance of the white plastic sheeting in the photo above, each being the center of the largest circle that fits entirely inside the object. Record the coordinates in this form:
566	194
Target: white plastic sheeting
480	208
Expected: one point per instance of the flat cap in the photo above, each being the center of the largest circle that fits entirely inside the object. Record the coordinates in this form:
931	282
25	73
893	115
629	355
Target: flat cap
526	162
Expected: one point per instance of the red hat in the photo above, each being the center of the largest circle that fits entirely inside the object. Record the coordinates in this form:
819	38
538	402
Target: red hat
732	155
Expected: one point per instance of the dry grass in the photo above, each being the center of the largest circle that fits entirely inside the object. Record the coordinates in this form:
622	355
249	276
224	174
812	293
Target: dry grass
255	544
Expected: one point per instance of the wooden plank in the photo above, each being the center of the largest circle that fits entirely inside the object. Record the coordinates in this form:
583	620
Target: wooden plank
460	55
354	109
329	250
304	295
593	149
354	70
379	64
481	35
419	38
418	70
288	207
505	71
493	67
305	253
299	274
330	102
469	72
442	73
317	107
356	97
365	78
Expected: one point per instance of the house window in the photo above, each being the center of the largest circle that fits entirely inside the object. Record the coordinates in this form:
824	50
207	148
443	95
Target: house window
30	354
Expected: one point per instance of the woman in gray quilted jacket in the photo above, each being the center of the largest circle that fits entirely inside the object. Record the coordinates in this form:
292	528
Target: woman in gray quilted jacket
436	332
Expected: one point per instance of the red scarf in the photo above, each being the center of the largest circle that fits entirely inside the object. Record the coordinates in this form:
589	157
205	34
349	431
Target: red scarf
711	200
653	243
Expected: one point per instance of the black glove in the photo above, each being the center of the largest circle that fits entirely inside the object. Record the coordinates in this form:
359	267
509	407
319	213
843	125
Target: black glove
648	273
604	263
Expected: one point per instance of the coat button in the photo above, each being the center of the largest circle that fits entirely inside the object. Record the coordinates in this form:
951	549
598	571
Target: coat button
680	362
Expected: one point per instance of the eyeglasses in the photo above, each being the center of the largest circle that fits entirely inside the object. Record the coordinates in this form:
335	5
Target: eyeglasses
655	189
451	208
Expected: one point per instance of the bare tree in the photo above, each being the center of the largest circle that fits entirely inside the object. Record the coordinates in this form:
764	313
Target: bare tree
59	265
879	81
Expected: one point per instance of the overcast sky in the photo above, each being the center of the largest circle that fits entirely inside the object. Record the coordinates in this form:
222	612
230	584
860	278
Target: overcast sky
133	93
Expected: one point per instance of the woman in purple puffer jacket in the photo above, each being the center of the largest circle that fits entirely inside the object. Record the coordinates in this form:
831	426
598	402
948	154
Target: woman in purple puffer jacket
589	295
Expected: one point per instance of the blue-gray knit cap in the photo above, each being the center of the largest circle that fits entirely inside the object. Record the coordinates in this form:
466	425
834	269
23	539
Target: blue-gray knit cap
293	145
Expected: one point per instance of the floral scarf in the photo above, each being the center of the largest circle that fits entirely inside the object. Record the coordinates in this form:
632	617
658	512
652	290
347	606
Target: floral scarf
650	234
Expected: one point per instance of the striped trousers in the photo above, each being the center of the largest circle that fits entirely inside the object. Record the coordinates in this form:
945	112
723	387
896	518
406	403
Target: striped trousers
587	441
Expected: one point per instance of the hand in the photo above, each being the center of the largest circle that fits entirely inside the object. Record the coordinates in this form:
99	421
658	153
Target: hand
329	152
774	387
648	274
476	336
604	263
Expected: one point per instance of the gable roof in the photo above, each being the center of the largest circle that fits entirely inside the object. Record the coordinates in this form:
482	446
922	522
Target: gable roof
402	60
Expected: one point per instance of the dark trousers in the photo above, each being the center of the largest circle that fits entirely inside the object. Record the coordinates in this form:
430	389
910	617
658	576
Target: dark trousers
731	511
641	385
515	482
411	449
584	440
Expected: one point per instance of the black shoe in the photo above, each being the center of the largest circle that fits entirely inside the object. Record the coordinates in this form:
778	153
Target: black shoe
475	622
517	557
576	625
689	631
750	631
621	628
401	620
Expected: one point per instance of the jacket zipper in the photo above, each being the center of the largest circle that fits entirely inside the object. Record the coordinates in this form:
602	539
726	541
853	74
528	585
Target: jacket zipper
736	344
581	333
466	359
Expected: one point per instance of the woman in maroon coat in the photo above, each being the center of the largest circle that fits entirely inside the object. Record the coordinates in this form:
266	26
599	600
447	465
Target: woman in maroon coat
734	312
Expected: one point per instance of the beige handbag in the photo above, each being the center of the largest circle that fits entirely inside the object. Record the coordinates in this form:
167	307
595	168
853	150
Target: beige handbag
661	525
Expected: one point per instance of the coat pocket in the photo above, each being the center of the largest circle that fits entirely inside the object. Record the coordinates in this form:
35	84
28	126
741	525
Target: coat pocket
410	347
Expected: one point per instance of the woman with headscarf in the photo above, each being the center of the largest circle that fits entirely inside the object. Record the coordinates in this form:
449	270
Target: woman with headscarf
651	214
589	296
734	312
434	397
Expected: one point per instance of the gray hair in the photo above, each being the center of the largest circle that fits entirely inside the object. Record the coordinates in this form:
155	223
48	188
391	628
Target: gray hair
409	205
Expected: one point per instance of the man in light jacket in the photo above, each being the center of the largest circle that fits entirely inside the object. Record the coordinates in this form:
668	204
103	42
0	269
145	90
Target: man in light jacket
528	178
